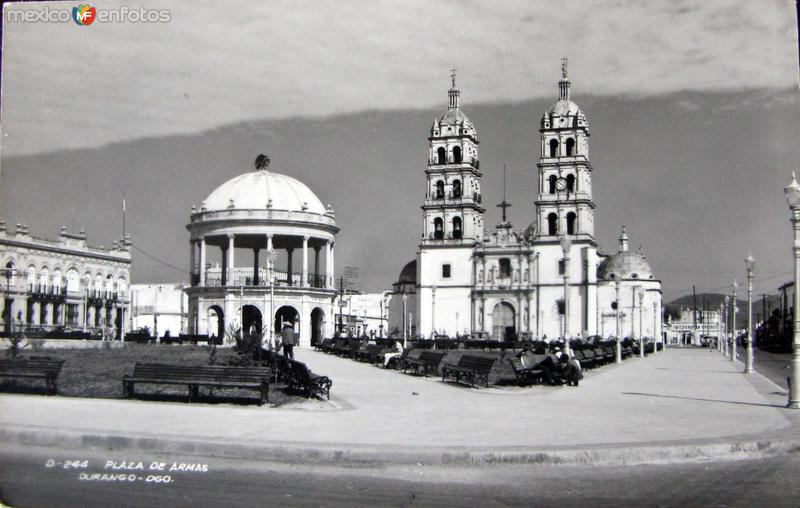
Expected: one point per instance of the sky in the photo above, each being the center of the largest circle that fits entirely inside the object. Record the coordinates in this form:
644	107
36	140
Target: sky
692	107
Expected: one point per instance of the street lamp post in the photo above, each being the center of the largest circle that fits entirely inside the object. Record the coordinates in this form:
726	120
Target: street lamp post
618	348
433	312
655	327
725	325
641	307
792	192
733	321
720	326
750	264
405	320
566	245
271	255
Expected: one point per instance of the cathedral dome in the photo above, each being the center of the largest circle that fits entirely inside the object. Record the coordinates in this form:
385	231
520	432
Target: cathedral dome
625	266
564	107
262	189
408	275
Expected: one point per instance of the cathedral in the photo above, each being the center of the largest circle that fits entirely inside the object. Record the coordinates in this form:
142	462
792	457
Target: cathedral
545	281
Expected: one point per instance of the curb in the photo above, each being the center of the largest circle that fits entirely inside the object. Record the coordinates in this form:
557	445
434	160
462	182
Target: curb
746	447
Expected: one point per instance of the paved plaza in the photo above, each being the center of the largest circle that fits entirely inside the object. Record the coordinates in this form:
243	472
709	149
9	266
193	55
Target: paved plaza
693	403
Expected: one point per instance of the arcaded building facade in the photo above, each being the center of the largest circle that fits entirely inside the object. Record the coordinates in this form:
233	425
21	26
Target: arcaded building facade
63	284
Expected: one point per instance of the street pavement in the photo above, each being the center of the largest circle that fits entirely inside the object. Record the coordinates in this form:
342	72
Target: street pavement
679	405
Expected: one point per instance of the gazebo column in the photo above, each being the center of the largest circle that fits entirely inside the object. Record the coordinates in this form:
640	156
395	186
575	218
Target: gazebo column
316	266
255	266
304	281
289	256
331	272
192	272
203	261
229	255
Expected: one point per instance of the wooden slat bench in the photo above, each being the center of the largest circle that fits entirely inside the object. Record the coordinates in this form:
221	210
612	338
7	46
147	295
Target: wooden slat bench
525	375
470	368
427	361
304	380
322	346
30	368
369	353
195	376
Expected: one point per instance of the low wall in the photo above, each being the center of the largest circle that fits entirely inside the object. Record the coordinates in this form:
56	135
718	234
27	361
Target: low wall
29	345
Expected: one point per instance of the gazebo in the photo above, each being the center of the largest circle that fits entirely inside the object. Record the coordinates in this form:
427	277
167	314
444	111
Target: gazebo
233	286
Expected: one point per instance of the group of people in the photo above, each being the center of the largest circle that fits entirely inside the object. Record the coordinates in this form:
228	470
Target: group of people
557	367
286	339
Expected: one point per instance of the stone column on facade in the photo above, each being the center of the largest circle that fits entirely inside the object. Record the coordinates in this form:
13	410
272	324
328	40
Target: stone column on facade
304	281
230	256
203	261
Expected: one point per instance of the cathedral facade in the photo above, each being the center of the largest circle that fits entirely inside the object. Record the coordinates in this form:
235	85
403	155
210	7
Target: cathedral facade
545	281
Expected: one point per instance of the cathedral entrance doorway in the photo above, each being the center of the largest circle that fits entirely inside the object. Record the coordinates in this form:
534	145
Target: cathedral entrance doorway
503	322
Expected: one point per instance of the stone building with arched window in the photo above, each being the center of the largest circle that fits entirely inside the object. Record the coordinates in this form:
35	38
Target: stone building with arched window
64	284
245	241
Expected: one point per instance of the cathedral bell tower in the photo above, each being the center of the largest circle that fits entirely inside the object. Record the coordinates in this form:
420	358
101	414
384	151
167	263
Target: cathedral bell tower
564	204
452	223
452	212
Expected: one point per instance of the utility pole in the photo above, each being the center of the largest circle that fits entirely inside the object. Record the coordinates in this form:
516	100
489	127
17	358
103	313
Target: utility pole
694	313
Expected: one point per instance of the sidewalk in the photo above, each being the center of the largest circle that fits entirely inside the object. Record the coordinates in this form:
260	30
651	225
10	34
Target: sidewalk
679	405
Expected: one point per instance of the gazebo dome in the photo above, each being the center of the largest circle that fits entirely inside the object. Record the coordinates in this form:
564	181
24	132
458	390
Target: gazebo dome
262	189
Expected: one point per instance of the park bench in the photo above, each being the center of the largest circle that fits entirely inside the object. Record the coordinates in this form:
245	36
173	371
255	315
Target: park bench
470	368
427	361
340	346
369	353
322	346
302	379
586	357
33	368
525	375
354	347
195	376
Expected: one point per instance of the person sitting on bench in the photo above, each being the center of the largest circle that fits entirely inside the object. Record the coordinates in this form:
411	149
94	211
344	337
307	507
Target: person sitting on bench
569	370
396	352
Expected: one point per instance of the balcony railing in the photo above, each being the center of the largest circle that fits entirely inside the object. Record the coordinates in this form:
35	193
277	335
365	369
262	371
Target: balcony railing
245	278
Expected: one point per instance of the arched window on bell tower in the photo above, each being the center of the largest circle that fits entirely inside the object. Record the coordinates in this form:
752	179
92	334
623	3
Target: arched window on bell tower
571	183
441	155
570	147
553	148
552	224
439	189
571	223
457	232
438	228
552	182
456	189
457	154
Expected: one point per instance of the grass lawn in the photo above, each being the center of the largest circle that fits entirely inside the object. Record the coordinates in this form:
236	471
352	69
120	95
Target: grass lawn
97	373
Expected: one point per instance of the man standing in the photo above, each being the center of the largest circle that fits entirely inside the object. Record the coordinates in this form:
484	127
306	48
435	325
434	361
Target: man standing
287	335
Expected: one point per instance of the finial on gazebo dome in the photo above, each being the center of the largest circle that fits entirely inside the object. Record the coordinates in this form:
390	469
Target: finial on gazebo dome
262	162
305	206
269	204
231	204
